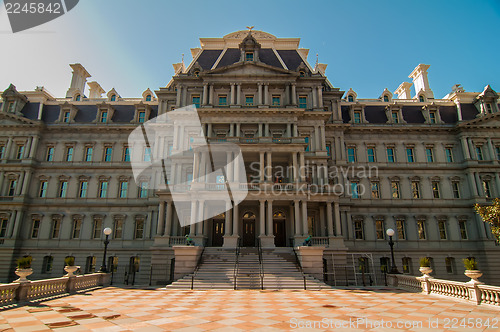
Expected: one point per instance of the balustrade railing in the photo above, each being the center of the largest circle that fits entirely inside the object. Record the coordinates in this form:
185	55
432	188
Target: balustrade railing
8	294
46	288
319	241
177	240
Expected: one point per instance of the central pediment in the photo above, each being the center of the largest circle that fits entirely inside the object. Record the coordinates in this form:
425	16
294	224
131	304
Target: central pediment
250	69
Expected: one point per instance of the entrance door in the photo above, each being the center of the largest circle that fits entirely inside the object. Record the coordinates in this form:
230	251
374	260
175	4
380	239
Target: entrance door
279	233
217	232
248	233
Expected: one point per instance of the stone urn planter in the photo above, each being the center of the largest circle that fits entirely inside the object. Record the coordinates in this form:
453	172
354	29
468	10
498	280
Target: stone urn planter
473	275
22	274
71	269
425	271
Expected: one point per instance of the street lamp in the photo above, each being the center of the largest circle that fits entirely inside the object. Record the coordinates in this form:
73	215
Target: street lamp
107	231
394	269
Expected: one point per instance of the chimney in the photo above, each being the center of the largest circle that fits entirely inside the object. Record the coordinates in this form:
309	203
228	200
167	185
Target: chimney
78	80
95	91
403	91
419	76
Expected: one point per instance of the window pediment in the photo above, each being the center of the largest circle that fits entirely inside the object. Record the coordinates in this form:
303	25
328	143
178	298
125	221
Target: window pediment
67	113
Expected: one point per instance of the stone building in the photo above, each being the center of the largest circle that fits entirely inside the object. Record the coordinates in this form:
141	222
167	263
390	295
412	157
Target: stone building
330	165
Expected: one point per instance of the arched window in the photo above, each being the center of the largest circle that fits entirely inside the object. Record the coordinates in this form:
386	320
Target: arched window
279	215
386	98
148	98
249	215
113	98
421	98
197	73
302	73
350	98
78	97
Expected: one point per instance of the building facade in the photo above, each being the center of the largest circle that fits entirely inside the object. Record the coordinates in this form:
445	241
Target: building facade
320	162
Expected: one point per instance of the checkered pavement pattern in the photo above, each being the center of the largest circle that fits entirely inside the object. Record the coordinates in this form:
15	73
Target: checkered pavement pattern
120	309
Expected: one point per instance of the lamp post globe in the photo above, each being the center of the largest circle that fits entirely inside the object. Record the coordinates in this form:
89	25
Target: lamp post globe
394	270
390	232
107	231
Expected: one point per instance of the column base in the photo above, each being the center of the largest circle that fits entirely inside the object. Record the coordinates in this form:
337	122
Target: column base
267	241
230	241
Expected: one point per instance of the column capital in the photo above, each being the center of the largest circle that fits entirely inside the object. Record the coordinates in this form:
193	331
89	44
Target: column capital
205	83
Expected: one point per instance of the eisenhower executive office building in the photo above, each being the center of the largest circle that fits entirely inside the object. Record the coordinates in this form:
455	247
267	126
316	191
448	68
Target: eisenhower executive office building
65	171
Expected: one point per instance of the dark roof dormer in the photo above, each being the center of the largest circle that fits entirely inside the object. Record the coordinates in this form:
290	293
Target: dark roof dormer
486	101
13	101
249	48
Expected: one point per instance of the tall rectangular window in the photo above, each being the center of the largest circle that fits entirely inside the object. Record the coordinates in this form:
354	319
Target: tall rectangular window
63	188
43	189
69	153
118	229
395	117
123	189
56	225
50	154
401	230
450	265
410	155
90	264
463	229
395	189
141	117
302	101
249	56
249	100
354	190
223	100
66	116
82	191
357	117
487	188
276	100
435	189
103	189
108	153
421	229
415	189
88	153
375	186
442	230
479	152
371	155
2	151
432	117
147	154
390	155
455	186
104	117
12	188
35	228
77	225
358	229
196	101
47	264
20	152
4	222
96	229
429	153
449	155
497	150
139	229
126	153
143	189
351	155
406	265
379	229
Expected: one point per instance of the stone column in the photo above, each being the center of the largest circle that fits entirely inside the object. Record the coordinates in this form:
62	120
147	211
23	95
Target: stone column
479	184
261	166
497	182
295	131
491	150
179	96
201	215
269	223
193	218
229	166
259	96
196	166
266	130
262	217
238	94
266	94
320	96
168	224
315	99
302	167
317	144
27	149
288	130
305	228
205	93
294	94
160	228
322	138
295	167
231	129
322	223
471	149
2	176
228	227
238	130
232	94
297	217
20	183
269	168
26	182
329	218
8	154
236	220
211	95
473	186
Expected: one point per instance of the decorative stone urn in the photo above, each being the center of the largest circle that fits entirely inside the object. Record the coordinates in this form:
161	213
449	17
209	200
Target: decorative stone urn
70	269
474	275
22	274
426	270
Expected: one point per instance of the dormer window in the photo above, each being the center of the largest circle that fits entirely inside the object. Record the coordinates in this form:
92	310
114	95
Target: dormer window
357	117
148	98
78	97
196	73
66	116
302	73
248	100
142	116
104	117
223	100
11	107
350	98
432	117
276	100
488	108
421	98
249	56
386	99
113	98
395	117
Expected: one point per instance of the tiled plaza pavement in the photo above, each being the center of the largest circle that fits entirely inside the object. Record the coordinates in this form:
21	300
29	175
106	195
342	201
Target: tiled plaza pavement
118	309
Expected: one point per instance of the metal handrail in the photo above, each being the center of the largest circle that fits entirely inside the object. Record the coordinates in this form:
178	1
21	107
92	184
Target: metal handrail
236	262
261	265
300	268
197	268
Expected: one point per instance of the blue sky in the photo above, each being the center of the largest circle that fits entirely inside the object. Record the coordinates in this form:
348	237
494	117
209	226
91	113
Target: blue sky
368	45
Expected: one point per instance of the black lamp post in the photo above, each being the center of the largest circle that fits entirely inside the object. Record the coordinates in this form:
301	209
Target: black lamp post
394	269
107	231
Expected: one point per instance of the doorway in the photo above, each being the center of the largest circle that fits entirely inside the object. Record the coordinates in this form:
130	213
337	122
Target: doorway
248	237
217	232
279	229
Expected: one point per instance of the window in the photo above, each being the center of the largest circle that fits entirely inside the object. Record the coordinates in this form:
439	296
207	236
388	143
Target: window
410	155
354	190
386	98
118	229
126	153
148	98
486	188
223	100
123	189
20	152
63	188
401	231
328	150
302	73
47	264
50	154
43	189
143	189
406	265
66	116
449	155
479	153
249	56
379	229
78	97
96	229
384	264
4	222
2	151
104	117
108	153
90	264
371	155
113	98
35	228
147	154
421	229
302	101
351	155
488	108
357	117
88	153
276	101
390	155
139	229
421	99
103	189
435	189
450	265
69	153
11	107
497	150
358	230
82	191
249	100
432	117
141	116
350	98
375	190
415	189
395	189
462	224
429	153
395	117
56	225
12	188
455	186
77	225
442	230
196	101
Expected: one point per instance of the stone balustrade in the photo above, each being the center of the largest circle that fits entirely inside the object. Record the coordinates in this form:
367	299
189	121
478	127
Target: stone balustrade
469	291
